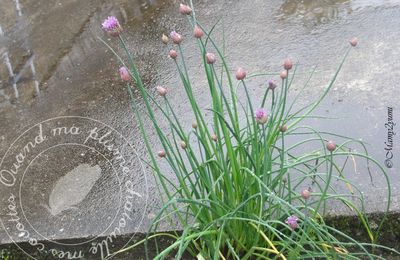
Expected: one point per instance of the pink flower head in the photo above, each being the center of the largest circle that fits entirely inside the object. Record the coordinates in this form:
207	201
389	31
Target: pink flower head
287	64
292	222
198	32
112	26
306	194
161	154
124	73
331	146
261	116
185	9
161	91
176	37
240	74
210	58
283	74
353	41
173	54
271	84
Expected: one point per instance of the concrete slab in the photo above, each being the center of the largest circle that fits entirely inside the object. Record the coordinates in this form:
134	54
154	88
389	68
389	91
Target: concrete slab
74	75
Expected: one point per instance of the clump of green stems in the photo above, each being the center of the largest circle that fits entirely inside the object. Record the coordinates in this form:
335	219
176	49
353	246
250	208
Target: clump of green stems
4	254
232	195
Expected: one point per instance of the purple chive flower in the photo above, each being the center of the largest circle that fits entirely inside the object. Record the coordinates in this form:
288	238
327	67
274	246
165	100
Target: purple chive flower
261	116
112	26
292	222
176	37
271	84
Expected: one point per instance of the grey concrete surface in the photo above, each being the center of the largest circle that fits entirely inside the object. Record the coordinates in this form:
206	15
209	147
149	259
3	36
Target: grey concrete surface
53	65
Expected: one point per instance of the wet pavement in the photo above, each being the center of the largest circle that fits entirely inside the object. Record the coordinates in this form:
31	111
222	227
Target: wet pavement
53	65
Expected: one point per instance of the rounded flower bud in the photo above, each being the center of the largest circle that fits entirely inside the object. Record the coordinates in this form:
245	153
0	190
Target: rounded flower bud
261	116
176	37
164	39
292	222
331	146
161	91
306	194
287	64
198	32
111	26
271	84
185	9
173	54
214	137
194	124
124	73
283	74
210	58
183	145
353	41
161	154
283	128
240	74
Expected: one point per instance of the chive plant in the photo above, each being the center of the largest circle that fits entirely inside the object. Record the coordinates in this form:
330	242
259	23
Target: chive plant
236	188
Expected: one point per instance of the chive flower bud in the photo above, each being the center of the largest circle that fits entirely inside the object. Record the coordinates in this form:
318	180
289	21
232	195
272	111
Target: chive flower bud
283	128
283	74
176	37
287	64
306	194
164	39
124	73
210	58
185	9
198	32
183	145
161	91
173	54
331	146
271	84
353	41
161	154
240	74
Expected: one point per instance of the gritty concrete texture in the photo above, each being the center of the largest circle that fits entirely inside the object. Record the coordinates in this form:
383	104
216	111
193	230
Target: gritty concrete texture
52	66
